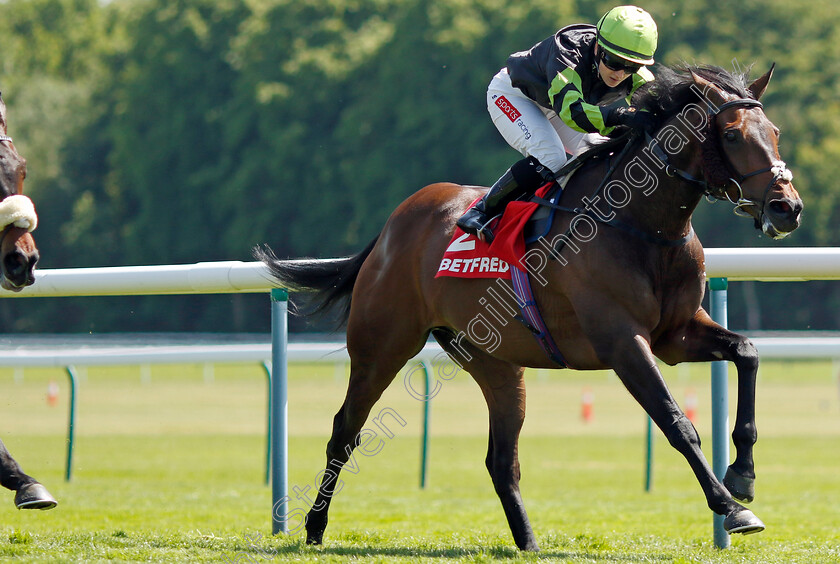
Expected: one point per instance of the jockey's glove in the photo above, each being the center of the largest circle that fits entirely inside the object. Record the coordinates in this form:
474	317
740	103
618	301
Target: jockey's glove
631	117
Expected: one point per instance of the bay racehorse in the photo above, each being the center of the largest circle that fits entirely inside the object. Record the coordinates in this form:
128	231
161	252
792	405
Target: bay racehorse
622	286
18	256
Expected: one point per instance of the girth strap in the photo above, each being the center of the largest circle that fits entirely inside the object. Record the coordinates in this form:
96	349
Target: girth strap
531	317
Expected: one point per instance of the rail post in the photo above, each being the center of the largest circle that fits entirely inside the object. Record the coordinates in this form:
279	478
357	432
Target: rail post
267	368
279	411
720	403
424	443
649	455
71	422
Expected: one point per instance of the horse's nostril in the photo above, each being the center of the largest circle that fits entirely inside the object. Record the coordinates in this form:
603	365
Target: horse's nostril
781	207
16	268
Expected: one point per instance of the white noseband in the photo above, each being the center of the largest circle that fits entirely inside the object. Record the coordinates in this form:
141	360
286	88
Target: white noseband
18	210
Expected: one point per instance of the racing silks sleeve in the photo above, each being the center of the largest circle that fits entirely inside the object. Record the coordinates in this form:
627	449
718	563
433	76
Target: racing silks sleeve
566	97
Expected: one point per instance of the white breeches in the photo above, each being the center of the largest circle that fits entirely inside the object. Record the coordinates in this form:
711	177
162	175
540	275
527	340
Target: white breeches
531	129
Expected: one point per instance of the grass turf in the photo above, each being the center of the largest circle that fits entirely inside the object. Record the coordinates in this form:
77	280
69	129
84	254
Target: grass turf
169	466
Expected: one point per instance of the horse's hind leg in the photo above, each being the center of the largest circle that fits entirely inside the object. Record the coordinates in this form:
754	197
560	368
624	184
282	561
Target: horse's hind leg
507	413
703	340
376	355
503	387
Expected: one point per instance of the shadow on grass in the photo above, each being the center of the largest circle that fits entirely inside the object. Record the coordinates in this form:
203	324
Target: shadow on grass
301	550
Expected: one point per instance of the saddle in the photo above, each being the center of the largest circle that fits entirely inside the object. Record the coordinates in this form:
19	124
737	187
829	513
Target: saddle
523	222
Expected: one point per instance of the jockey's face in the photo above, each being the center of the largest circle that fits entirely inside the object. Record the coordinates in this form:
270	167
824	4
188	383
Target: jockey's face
614	74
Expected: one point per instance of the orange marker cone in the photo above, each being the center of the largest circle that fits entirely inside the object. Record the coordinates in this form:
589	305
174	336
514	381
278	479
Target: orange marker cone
52	393
587	400
691	405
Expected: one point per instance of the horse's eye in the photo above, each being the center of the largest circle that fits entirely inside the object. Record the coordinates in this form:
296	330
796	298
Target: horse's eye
730	136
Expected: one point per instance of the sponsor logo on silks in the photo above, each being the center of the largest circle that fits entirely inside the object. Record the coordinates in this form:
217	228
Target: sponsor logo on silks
507	108
524	128
474	265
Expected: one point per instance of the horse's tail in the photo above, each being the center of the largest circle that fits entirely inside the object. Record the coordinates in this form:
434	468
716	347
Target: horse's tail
330	280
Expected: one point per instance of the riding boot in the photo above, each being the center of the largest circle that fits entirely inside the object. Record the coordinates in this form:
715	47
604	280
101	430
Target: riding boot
524	177
478	217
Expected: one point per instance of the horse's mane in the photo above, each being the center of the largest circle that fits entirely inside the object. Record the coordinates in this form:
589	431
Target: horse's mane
671	91
665	97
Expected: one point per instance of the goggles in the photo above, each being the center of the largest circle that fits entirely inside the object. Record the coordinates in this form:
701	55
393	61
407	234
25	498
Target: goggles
616	63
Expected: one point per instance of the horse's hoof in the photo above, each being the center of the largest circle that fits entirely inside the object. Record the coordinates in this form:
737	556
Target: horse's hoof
743	522
741	487
34	496
530	547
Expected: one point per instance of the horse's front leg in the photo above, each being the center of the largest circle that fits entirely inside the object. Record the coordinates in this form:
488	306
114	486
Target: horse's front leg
703	340
629	353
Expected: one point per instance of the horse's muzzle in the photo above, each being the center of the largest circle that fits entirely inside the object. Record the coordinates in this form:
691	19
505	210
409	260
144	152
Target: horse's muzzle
18	257
17	270
781	217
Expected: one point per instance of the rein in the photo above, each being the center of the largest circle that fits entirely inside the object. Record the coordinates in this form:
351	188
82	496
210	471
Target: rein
618	224
614	222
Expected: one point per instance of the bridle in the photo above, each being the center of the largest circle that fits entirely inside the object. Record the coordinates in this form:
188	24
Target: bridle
719	192
6	228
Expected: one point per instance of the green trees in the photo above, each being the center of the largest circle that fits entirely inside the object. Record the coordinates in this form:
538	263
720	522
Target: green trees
175	131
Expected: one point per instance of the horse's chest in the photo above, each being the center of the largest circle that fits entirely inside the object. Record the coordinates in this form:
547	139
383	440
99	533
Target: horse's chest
679	298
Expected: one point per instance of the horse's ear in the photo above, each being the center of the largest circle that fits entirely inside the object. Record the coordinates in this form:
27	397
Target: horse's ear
758	87
708	89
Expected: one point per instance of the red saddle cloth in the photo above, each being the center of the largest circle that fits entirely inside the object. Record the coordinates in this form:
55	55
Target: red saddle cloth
469	257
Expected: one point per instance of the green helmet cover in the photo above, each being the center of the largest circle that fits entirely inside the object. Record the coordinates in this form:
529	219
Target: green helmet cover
630	33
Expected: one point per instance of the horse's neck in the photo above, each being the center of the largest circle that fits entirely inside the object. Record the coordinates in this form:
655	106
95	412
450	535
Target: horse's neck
660	204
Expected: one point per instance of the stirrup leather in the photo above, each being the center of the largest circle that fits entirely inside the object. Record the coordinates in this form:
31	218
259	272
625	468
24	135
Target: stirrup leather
484	233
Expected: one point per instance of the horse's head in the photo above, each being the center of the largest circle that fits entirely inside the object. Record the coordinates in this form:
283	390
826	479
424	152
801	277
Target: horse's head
741	159
18	253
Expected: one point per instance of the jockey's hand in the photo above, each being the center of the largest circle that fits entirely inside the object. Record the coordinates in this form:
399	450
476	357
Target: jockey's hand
633	118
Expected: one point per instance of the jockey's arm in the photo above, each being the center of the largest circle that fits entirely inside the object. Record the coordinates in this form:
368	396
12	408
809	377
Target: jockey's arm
567	100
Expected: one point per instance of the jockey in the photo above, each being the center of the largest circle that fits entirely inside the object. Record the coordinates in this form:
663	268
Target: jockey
562	94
